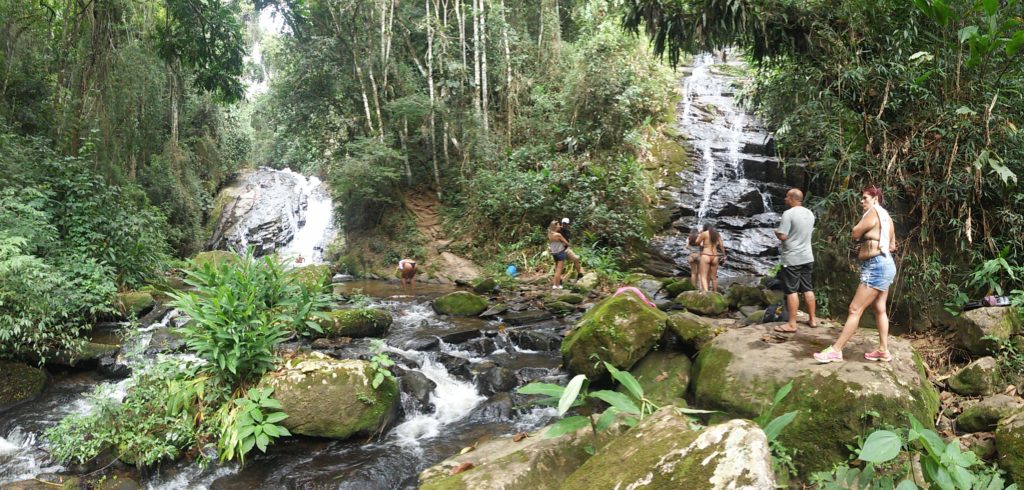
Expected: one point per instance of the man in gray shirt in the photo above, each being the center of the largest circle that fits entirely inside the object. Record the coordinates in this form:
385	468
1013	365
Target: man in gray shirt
797	258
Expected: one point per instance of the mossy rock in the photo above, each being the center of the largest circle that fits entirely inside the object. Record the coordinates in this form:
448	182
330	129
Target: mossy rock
741	295
560	307
979	378
662	451
682	285
984	415
214	258
333	398
19	383
739	374
460	303
692	330
1010	445
484	285
647	283
565	297
87	353
974	326
589	281
664	376
709	304
134	304
358	322
755	317
535	462
312	277
620	330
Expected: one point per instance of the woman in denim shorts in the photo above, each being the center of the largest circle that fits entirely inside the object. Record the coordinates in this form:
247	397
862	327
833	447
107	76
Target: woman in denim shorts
877	241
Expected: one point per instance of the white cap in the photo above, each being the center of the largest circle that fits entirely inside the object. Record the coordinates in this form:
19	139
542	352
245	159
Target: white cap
565	220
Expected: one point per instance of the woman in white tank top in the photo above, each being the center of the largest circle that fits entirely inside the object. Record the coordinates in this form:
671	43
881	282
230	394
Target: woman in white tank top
877	241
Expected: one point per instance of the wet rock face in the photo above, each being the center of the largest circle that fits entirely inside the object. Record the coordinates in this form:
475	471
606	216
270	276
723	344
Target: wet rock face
262	209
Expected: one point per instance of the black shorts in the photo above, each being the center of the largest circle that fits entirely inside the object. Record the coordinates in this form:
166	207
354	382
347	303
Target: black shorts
797	278
560	256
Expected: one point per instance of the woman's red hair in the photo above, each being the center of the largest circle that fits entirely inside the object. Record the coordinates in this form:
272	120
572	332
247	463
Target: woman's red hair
873	191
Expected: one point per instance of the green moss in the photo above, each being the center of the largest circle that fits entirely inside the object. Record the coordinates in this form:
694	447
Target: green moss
484	285
831	412
975	380
133	304
740	295
359	322
460	303
680	286
664	377
1010	446
621	330
712	304
19	383
692	330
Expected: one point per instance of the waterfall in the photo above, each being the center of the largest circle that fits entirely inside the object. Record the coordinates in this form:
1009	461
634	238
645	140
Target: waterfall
316	225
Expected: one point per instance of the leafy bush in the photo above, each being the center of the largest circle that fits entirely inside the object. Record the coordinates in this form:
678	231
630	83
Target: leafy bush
251	422
241	311
943	465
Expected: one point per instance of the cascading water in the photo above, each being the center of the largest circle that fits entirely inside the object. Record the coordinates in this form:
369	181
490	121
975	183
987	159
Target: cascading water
733	177
316	229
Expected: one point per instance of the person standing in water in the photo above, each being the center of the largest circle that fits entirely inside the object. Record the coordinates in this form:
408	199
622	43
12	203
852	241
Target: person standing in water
877	241
569	254
558	246
710	243
407	272
797	259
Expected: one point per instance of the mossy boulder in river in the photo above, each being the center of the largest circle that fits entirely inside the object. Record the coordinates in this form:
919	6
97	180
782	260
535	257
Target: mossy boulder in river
675	287
327	397
984	415
694	331
997	322
484	285
739	373
312	277
710	304
620	330
133	304
535	462
460	303
357	322
978	378
19	383
664	376
663	452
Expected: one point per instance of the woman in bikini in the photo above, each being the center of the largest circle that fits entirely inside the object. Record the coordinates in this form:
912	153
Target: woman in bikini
407	272
559	247
710	243
877	241
694	258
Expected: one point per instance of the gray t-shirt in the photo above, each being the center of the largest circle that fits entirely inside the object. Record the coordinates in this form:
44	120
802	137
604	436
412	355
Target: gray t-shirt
797	225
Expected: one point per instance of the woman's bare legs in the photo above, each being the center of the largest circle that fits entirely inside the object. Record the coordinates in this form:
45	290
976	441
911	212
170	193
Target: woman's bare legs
694	261
713	274
557	280
864	297
702	276
882	318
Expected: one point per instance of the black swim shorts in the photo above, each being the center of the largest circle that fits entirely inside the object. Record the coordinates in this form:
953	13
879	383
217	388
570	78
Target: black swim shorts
797	278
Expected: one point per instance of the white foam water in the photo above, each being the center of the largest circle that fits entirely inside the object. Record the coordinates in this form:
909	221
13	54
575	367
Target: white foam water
317	229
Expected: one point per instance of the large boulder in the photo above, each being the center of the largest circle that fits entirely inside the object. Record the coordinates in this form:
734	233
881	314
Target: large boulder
739	373
663	452
743	295
312	277
19	383
694	331
133	304
644	282
984	415
327	397
1010	445
85	355
484	285
979	378
675	287
357	322
460	303
664	376
588	281
1000	323
620	330
507	462
710	304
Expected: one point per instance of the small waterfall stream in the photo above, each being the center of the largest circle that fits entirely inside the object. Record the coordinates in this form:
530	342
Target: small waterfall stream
734	179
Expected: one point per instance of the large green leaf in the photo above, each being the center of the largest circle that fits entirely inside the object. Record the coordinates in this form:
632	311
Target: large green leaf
880	447
779	423
627	380
617	400
548	389
572	390
566	425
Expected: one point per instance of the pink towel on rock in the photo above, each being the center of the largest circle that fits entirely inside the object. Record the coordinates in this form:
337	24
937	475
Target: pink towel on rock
638	292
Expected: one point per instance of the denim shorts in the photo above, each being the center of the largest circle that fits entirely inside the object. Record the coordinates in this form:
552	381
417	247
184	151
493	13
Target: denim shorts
878	272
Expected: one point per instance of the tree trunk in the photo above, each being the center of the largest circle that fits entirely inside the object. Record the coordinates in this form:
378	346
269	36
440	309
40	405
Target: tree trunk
430	84
476	61
483	66
404	137
362	89
508	76
376	106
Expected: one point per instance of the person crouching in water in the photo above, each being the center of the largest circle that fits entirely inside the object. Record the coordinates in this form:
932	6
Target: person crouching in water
559	247
407	271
